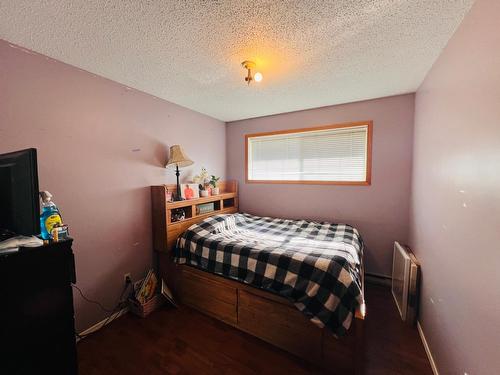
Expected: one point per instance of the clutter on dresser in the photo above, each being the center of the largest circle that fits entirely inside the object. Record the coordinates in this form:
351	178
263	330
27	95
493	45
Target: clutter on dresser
13	244
51	224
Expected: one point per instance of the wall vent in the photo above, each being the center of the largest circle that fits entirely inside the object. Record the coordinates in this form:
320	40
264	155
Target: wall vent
405	282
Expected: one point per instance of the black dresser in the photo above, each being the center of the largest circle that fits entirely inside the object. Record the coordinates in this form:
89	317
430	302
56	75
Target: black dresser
37	333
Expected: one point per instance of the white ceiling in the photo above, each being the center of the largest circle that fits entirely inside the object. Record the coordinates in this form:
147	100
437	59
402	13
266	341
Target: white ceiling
311	53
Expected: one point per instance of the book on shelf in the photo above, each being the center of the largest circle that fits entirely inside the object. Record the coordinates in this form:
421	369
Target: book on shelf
205	208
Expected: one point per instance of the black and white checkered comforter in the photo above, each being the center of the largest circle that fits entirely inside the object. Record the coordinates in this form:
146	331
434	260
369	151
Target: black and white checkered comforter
314	265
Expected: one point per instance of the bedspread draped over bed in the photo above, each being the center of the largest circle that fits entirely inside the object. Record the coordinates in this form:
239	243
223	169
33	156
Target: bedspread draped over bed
314	265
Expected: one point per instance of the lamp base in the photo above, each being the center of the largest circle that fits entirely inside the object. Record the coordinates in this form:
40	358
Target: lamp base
178	195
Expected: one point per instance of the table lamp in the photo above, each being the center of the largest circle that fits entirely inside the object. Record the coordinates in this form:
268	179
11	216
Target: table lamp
179	159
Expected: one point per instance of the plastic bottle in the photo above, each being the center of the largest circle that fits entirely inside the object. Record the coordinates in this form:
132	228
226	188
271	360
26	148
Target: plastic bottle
50	216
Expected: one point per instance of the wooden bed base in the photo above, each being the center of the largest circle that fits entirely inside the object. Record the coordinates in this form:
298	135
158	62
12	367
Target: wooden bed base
260	313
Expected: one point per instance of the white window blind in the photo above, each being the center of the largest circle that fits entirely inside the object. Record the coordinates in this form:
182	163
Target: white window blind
335	154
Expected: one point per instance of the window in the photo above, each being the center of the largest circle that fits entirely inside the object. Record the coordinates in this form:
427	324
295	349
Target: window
336	154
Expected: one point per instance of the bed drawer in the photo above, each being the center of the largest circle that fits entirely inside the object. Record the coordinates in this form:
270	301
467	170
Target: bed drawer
209	296
279	324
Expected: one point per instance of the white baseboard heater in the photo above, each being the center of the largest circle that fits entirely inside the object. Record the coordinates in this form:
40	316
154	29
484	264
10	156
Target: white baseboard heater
405	282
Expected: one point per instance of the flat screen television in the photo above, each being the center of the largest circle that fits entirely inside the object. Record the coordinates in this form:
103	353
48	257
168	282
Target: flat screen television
19	202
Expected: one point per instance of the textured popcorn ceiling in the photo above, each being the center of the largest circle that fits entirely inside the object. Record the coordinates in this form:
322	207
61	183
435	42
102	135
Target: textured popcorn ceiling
311	53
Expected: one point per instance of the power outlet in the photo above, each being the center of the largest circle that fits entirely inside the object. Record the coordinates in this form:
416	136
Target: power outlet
127	279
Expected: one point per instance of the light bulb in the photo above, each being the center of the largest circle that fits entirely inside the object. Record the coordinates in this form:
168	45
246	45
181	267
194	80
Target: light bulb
257	77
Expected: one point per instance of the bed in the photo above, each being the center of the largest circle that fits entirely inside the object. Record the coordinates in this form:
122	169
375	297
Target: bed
315	266
295	284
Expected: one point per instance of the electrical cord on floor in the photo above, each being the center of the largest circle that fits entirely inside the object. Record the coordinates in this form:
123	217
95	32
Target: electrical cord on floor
120	305
91	301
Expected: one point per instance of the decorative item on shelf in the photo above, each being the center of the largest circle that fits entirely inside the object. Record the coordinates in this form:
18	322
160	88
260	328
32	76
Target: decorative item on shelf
189	191
214	181
249	65
178	159
178	215
205	208
168	195
203	181
203	191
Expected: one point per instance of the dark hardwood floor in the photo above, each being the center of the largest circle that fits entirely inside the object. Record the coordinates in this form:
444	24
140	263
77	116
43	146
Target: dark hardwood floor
183	341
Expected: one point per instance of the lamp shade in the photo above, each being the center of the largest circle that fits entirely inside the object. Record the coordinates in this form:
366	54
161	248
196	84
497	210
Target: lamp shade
178	157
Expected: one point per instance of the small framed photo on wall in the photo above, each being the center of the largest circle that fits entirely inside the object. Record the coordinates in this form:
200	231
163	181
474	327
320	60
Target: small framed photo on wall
189	191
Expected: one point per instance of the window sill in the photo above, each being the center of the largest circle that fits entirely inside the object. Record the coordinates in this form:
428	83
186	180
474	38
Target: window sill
345	183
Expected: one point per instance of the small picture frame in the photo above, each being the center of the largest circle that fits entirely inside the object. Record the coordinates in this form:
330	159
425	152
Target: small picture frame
189	191
168	196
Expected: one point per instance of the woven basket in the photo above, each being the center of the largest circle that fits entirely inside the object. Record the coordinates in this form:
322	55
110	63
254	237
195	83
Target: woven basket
144	310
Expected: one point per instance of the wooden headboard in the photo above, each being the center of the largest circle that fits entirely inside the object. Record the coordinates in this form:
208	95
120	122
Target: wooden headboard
166	231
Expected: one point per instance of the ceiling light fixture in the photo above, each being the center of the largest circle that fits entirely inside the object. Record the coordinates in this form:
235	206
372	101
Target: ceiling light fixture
249	65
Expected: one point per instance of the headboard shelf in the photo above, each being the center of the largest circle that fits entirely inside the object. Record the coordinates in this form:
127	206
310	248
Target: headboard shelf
166	231
196	201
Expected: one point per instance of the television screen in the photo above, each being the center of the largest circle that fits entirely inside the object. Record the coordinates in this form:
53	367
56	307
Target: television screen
19	202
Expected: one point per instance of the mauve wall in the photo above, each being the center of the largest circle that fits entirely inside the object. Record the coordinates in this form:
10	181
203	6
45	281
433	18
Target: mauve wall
379	211
455	215
100	147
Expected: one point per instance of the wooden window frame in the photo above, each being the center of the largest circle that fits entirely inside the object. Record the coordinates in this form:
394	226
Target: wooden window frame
367	182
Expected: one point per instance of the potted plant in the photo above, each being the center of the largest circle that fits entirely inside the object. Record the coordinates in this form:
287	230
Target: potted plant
203	182
203	190
214	182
